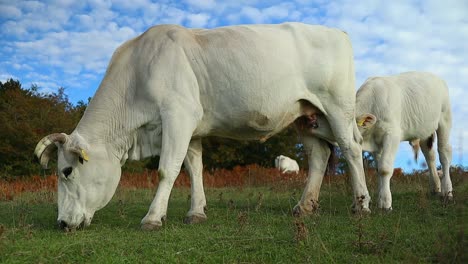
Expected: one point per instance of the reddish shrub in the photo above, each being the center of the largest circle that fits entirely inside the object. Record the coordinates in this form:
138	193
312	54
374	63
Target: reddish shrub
251	175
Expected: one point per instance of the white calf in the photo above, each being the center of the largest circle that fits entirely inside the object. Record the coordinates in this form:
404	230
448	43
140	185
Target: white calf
412	106
286	164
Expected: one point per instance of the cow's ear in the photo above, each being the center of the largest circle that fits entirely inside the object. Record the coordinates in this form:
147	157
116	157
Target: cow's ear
366	121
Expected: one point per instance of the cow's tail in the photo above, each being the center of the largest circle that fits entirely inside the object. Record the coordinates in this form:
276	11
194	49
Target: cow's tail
415	145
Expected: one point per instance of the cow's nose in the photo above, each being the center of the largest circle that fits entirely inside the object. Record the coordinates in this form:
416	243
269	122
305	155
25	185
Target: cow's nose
62	224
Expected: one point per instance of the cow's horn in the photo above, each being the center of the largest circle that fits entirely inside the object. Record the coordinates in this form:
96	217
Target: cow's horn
46	146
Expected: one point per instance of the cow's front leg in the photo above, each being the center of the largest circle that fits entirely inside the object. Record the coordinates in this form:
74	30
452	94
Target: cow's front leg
385	171
194	166
176	135
318	153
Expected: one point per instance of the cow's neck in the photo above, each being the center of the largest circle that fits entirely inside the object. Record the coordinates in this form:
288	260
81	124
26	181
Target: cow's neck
112	118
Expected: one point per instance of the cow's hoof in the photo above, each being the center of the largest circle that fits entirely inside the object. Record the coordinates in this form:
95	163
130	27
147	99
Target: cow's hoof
436	193
195	219
361	205
447	198
151	226
360	210
386	210
299	211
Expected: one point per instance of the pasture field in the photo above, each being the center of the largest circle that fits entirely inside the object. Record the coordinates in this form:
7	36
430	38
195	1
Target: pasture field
246	224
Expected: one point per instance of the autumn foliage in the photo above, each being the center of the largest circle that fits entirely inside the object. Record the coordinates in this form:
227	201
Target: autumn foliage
239	176
25	117
252	175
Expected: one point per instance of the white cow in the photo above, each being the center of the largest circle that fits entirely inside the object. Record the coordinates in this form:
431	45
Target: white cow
412	106
286	164
169	87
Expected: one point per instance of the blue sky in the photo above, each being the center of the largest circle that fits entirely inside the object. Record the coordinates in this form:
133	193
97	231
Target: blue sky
67	43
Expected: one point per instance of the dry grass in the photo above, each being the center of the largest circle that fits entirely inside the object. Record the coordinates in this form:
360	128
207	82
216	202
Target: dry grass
248	176
251	175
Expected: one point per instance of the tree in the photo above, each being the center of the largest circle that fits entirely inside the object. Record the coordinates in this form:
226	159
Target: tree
25	117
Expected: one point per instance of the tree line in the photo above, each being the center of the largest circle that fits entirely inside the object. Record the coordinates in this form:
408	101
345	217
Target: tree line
27	115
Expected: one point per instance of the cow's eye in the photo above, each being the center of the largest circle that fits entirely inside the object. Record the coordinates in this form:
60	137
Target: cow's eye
67	171
80	159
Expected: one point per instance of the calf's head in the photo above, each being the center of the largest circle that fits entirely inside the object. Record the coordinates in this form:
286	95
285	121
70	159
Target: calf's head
87	177
365	124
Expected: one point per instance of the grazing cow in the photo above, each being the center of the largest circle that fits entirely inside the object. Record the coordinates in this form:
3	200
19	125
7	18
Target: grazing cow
169	87
412	106
286	164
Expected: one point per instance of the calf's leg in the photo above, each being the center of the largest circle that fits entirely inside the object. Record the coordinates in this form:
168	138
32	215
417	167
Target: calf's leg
385	171
445	155
427	149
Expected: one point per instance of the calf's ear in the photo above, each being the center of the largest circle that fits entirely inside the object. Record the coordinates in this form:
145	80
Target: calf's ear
366	121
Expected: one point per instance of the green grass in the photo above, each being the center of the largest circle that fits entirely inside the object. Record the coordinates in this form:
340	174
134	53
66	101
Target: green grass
252	225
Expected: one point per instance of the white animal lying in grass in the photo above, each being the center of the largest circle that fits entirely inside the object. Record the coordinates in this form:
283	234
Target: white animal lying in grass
412	106
286	164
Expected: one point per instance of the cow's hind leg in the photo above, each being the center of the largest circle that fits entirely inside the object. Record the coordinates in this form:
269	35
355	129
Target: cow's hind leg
445	155
343	128
193	164
427	148
318	152
178	126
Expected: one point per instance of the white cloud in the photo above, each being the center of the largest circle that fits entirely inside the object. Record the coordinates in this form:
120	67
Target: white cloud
85	21
9	11
131	5
99	4
276	12
152	12
172	15
4	77
273	13
13	28
198	20
18	66
74	51
31	6
202	4
252	13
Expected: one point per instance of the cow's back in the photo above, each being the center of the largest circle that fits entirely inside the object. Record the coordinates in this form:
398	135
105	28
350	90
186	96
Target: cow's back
258	73
247	81
250	78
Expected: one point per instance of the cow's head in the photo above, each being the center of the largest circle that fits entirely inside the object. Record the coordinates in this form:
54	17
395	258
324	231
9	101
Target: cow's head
87	177
278	161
